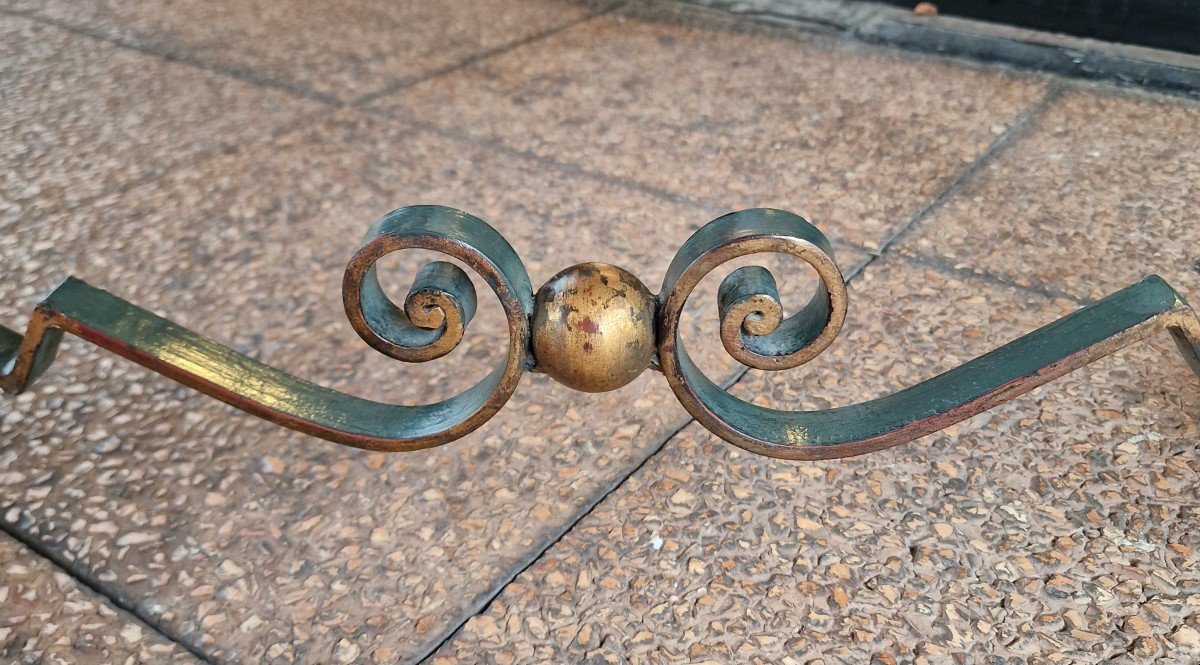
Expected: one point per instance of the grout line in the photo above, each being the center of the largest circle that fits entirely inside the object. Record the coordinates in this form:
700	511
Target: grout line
402	84
498	589
191	161
943	265
248	75
529	561
566	168
331	105
80	576
1009	136
569	526
244	74
1015	131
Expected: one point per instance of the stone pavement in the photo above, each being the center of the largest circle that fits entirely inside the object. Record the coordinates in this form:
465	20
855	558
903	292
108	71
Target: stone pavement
219	164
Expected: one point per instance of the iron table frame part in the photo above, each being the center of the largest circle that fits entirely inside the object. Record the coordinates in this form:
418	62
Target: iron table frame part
753	329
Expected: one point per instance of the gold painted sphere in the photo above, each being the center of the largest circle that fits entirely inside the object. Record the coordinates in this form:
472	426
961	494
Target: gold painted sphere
593	327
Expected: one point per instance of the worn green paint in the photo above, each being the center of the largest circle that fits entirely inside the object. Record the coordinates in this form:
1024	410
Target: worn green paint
786	433
126	329
1090	333
102	318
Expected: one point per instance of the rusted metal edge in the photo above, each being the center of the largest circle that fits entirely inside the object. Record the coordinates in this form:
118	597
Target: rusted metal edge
753	329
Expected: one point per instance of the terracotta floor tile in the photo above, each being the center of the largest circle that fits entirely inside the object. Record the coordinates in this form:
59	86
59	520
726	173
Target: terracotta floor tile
270	545
47	617
1059	525
330	48
82	117
1101	192
851	139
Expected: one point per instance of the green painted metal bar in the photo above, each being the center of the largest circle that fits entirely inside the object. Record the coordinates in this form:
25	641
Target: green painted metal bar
1125	317
150	340
606	311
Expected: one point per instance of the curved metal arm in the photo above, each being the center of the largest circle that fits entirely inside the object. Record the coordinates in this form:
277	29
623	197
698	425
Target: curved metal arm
205	365
1125	317
442	301
198	362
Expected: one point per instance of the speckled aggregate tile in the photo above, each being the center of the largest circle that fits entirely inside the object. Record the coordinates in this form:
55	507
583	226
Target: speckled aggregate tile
1058	528
1101	191
338	49
256	544
82	117
842	135
47	617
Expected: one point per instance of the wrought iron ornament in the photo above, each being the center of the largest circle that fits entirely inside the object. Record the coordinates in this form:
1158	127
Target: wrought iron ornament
595	327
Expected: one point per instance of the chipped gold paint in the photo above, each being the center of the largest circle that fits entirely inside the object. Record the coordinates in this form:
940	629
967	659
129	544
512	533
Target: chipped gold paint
596	327
593	327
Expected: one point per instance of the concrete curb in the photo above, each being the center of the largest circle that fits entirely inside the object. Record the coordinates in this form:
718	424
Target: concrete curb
1152	69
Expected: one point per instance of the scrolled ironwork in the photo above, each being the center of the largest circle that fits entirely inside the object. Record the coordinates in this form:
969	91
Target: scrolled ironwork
596	327
414	335
754	334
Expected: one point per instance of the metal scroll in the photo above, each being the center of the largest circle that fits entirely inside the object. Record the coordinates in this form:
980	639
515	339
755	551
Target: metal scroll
642	331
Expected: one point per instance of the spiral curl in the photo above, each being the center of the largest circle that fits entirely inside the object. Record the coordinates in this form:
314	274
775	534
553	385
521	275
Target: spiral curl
442	301
754	332
440	304
753	328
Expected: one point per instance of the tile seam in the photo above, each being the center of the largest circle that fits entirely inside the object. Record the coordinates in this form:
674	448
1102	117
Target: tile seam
1017	130
331	104
198	159
395	86
613	487
78	574
949	267
569	526
567	168
244	75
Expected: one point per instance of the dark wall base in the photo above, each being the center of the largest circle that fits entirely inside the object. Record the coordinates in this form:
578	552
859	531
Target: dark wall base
1173	25
1172	72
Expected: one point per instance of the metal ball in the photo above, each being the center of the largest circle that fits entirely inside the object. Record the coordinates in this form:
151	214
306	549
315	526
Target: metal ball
593	327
